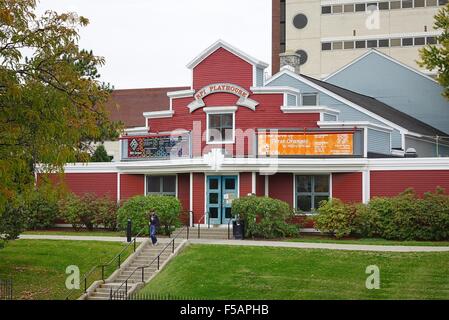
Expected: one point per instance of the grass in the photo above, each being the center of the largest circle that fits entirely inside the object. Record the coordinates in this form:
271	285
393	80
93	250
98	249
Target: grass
72	232
37	267
243	272
369	241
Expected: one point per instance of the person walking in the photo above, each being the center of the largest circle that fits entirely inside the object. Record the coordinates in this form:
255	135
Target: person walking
154	224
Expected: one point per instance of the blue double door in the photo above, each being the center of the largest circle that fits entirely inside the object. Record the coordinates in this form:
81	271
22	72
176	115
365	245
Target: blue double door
220	191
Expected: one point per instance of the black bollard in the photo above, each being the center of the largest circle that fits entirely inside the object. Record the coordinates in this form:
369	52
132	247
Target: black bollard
128	231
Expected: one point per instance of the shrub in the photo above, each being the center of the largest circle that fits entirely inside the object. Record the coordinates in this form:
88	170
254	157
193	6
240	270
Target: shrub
106	213
265	217
138	209
436	217
336	217
12	221
41	208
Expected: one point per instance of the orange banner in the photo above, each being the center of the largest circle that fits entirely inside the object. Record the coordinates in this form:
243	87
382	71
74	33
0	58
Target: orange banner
294	144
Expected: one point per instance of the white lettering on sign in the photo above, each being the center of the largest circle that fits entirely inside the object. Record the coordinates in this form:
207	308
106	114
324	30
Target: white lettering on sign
244	100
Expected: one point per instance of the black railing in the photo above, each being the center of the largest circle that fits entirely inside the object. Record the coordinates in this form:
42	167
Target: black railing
117	260
203	219
119	292
5	289
229	226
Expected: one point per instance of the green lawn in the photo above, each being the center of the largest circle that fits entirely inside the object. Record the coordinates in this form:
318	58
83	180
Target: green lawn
71	232
373	241
37	267
241	272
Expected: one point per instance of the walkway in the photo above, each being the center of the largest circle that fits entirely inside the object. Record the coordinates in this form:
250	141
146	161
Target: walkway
260	243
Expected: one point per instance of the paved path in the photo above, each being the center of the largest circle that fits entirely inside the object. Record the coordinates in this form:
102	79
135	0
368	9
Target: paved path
259	243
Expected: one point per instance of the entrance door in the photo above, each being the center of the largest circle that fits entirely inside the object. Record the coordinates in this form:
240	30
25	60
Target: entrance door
220	191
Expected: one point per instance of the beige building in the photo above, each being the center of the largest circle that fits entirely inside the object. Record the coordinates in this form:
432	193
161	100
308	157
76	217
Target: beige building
329	34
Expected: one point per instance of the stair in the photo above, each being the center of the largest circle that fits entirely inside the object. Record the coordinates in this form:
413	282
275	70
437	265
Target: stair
142	257
206	233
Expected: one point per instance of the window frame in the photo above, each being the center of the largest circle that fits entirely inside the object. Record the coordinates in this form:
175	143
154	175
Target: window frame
161	185
312	192
317	96
220	111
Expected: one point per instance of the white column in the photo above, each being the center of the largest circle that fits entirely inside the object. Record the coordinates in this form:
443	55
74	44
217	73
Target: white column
366	192
266	186
118	187
253	183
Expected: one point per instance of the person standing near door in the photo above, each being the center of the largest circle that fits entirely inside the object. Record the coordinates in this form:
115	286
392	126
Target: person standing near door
154	224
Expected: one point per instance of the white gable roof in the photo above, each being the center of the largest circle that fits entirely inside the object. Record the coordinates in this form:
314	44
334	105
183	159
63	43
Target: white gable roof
222	44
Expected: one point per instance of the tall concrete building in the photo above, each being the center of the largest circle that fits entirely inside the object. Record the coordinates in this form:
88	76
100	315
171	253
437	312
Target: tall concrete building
329	34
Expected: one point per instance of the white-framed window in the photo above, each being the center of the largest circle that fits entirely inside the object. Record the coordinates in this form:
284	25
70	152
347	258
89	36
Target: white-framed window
309	99
310	190
161	185
220	127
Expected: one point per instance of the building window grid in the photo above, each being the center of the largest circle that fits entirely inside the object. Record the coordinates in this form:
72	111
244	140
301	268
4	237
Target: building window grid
165	185
312	193
378	43
381	5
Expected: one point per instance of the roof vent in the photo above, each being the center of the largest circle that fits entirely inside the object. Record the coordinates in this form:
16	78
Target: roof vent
411	153
291	59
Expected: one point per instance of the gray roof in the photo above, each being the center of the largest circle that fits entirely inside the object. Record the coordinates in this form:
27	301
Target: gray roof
381	109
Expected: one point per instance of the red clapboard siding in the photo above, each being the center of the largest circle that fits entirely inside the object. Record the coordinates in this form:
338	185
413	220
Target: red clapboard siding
184	190
246	182
223	66
101	184
391	183
280	186
260	185
347	186
198	197
131	185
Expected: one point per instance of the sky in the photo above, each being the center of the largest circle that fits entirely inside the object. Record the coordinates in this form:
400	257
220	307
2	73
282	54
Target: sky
148	43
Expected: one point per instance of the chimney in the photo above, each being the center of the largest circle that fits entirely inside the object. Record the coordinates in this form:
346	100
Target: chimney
290	60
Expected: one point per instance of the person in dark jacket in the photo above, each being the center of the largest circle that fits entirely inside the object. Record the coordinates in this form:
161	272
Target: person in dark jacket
154	224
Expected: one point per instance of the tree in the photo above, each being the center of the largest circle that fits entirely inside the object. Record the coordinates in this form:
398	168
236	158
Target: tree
437	56
52	103
100	155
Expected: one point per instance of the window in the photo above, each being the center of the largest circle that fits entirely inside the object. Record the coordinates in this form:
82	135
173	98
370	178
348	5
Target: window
442	2
384	5
310	191
348	8
407	3
326	9
372	6
220	128
420	3
407	41
431	3
431	40
420	41
395	42
371	43
337	45
348	44
326	46
162	185
395	5
360	7
384	43
337	8
309	99
360	44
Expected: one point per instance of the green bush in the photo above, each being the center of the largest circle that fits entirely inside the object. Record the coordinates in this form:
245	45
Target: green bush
41	208
106	213
336	217
265	217
139	208
12	220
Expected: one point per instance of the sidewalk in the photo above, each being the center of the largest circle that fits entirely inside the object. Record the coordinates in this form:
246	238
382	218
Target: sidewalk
261	243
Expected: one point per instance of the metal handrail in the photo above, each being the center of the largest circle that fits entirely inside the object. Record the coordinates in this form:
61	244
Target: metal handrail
203	218
229	228
157	258
102	266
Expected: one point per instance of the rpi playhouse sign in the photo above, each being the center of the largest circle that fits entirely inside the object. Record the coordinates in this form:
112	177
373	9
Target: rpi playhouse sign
244	100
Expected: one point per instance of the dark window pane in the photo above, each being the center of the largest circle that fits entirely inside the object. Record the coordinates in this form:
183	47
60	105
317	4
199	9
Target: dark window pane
321	183
442	2
420	3
213	184
227	120
228	213
337	8
213	198
318	199
303	183
420	41
326	46
304	203
337	45
169	184
326	9
384	5
384	43
395	5
395	42
407	3
359	7
431	3
309	100
348	8
371	6
371	43
348	45
213	213
229	184
154	184
360	44
214	121
431	40
407	41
